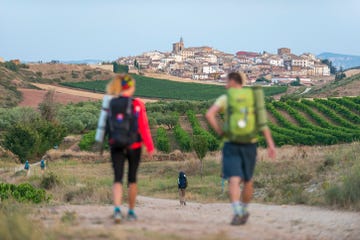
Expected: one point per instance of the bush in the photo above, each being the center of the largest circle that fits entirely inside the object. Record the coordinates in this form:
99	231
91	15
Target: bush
169	119
79	117
87	141
200	146
50	134
33	139
48	107
14	116
11	66
162	140
212	142
49	181
119	68
183	138
23	193
23	141
346	194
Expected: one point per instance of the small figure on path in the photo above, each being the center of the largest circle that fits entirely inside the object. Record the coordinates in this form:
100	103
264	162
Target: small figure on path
27	167
42	166
182	185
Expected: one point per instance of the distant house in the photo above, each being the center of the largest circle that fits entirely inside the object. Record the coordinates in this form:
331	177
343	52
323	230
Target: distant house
200	76
15	61
276	61
321	70
187	53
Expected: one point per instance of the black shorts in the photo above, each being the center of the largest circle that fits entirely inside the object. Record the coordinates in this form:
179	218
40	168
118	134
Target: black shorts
239	160
118	158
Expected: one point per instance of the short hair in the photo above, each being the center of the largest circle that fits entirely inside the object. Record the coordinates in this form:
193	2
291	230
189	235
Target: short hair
238	77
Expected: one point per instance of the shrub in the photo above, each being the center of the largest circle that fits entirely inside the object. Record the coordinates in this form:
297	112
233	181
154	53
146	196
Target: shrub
169	119
11	66
162	140
119	68
49	181
48	107
87	141
200	146
212	142
346	194
79	117
23	192
183	138
50	134
22	141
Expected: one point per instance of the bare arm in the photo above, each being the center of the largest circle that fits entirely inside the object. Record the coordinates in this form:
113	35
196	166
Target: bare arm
270	143
211	118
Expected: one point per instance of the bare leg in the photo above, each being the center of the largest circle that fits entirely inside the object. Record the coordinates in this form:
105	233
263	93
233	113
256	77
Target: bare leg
117	194
247	192
234	189
132	195
183	196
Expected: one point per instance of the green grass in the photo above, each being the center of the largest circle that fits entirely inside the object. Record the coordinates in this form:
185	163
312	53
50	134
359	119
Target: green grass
165	89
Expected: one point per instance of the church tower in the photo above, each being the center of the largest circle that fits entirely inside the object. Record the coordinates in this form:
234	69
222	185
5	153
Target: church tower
178	46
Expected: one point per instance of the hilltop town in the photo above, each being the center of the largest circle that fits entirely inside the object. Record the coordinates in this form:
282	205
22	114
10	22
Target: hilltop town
207	63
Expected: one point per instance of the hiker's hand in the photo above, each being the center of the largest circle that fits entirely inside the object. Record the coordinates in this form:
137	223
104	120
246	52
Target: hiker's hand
150	155
272	152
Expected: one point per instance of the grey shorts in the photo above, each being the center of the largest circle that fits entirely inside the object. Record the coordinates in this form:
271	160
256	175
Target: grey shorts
239	160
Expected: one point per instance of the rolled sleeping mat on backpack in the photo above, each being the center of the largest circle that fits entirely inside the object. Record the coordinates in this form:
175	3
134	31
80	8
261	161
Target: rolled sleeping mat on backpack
100	131
261	119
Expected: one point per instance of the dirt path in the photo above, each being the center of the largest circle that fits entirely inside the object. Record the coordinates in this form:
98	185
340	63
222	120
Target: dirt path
195	220
80	93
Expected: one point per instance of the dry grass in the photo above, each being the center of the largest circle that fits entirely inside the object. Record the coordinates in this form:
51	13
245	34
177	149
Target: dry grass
300	175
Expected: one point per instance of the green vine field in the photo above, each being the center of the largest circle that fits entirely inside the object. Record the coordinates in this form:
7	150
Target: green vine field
165	89
306	122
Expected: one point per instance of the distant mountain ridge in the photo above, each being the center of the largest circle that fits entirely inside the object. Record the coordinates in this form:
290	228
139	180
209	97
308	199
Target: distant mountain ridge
341	60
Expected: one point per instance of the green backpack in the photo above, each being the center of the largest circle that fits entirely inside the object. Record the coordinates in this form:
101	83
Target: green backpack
241	125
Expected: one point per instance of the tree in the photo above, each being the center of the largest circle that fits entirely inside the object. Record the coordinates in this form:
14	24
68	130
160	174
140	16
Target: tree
296	82
330	65
162	140
11	66
169	120
200	145
48	107
50	134
340	75
23	141
119	68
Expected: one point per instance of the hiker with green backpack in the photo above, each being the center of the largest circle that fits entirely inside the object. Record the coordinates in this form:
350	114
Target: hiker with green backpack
244	117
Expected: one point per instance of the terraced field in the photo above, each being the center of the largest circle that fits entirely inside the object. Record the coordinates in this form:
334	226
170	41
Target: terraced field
306	122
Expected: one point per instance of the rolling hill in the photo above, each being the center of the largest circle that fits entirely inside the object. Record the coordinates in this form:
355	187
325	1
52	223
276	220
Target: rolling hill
341	60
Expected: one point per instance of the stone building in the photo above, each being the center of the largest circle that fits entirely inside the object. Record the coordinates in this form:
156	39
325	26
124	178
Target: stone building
178	46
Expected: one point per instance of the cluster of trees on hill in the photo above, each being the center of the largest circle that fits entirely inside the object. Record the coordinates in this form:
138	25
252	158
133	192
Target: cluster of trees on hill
29	133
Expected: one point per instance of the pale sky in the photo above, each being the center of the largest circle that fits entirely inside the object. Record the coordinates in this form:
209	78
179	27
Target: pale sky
33	30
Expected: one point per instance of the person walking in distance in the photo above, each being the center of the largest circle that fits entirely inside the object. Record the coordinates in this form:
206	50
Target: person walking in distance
27	167
244	116
127	129
42	166
182	185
